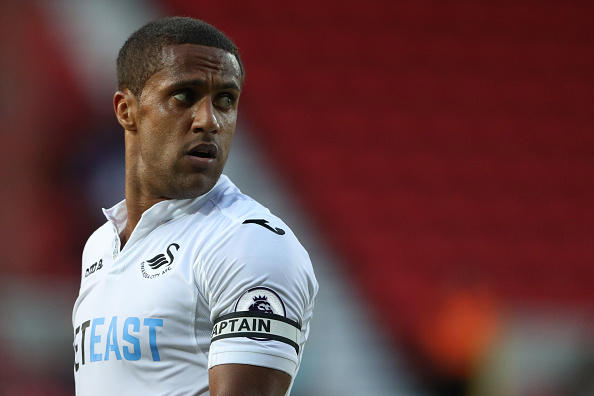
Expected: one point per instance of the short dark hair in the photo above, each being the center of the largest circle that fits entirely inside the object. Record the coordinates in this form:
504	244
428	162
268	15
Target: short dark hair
141	55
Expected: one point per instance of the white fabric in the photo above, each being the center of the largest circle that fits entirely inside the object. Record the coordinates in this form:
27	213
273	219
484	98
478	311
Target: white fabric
144	315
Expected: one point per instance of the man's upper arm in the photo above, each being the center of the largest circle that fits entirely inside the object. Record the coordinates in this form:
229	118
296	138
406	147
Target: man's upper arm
260	287
247	380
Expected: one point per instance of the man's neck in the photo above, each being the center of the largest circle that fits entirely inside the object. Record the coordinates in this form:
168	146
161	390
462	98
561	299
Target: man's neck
136	207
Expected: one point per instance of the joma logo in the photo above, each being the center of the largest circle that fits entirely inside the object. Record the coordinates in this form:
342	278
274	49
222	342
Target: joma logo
93	268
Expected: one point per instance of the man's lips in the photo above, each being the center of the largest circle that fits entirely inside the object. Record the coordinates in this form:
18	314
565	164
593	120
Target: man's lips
202	155
204	150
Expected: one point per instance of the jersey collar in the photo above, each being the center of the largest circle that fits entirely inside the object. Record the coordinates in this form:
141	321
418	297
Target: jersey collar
163	211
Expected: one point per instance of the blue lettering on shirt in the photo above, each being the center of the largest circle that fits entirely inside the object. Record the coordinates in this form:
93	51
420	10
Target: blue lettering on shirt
126	342
152	323
111	344
135	323
95	339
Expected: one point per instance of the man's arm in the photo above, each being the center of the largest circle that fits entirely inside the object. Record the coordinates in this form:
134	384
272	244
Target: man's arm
247	380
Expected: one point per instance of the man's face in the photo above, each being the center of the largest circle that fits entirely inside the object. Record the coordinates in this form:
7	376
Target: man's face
185	123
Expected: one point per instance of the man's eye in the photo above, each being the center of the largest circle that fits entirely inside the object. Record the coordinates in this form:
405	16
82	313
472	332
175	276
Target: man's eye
225	101
184	96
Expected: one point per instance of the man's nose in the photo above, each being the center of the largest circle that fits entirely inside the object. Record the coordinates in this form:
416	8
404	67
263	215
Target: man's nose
205	119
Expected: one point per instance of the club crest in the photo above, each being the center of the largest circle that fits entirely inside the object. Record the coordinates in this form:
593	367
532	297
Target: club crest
159	264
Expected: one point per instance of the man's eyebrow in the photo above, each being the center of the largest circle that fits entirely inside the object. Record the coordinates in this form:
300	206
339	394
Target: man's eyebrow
201	83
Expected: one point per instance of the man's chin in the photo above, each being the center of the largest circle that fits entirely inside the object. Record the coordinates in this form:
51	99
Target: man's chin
196	188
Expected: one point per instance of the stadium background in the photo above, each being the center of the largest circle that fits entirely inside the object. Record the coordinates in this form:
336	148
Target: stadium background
435	157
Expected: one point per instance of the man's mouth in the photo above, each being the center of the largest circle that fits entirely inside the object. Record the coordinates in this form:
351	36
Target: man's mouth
205	150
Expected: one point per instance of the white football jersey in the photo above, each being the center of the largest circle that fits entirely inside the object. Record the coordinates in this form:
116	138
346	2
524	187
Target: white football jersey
201	282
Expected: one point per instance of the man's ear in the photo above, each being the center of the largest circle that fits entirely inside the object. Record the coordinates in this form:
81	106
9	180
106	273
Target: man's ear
125	106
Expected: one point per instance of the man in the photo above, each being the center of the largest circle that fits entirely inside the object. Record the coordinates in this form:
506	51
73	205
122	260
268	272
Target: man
191	287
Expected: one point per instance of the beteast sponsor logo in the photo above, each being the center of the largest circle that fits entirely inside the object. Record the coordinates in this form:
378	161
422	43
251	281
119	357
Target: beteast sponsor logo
122	339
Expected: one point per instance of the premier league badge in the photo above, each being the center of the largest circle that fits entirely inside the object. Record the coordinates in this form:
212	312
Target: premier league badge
261	299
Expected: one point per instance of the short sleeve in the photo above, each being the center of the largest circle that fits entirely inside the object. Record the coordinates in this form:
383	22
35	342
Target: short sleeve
259	284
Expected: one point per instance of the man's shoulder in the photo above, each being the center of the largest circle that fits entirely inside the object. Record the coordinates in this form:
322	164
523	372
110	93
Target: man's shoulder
232	223
232	207
245	228
97	244
232	202
105	231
